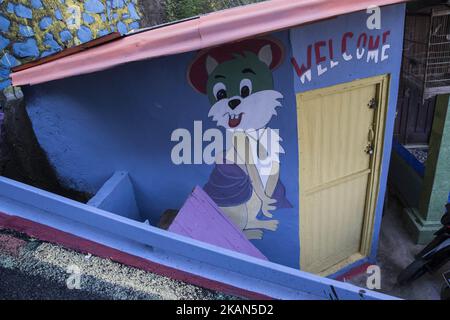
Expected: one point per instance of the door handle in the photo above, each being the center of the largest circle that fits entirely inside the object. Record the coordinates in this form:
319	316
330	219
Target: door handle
373	103
369	149
370	137
371	134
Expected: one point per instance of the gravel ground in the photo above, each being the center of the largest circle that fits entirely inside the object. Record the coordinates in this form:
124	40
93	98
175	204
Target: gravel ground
30	269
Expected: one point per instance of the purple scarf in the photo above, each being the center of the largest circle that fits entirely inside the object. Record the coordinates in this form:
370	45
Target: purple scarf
230	186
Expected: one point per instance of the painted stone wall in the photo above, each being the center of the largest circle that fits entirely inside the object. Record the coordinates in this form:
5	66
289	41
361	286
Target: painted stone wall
31	29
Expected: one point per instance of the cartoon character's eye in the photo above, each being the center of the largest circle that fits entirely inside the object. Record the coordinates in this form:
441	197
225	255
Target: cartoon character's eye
220	91
246	88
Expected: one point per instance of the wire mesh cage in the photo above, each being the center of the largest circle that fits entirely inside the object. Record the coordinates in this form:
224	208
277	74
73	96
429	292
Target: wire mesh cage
426	58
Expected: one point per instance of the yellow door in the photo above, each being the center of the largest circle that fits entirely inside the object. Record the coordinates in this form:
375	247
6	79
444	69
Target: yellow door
340	140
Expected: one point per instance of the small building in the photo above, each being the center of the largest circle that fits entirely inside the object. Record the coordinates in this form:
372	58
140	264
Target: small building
282	112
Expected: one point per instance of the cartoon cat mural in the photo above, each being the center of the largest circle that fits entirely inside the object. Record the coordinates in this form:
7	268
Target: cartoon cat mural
245	182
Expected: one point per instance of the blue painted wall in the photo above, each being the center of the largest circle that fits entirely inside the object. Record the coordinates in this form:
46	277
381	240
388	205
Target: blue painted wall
122	120
117	196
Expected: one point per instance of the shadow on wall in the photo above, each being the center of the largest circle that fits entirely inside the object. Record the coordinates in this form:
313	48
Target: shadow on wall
21	157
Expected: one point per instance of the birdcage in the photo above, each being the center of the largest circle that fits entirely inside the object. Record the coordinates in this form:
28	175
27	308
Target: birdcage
426	59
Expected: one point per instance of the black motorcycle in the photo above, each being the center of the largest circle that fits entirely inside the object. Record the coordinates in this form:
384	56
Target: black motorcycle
432	257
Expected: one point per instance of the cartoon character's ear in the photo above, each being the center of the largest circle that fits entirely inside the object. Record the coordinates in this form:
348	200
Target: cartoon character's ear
211	64
265	55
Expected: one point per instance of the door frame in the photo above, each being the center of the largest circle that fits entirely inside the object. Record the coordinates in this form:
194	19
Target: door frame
373	185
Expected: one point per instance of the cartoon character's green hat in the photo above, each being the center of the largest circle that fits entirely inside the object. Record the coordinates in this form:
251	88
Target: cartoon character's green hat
197	72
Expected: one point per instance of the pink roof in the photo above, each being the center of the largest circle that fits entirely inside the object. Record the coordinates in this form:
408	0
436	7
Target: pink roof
207	31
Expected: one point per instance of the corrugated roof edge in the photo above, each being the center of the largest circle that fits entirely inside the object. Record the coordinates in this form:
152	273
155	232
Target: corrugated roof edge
69	51
194	34
93	43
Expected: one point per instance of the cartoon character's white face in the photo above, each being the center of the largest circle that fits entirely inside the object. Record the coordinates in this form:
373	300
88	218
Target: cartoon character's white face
241	90
250	113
